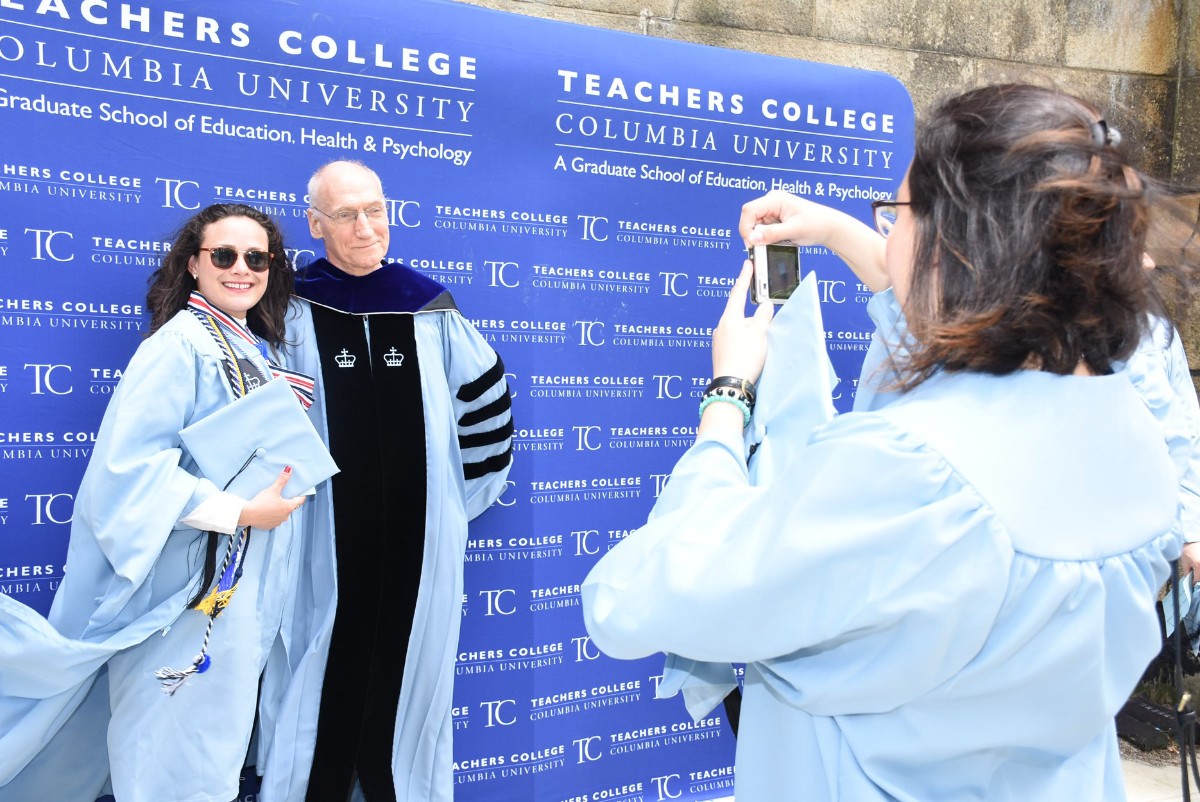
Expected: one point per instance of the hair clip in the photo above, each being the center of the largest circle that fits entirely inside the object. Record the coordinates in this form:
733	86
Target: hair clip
1103	134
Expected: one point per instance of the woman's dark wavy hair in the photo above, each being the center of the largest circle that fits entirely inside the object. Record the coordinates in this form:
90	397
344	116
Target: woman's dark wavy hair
1030	231
171	284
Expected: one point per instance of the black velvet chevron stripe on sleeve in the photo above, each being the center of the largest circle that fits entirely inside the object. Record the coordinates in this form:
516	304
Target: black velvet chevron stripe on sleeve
497	435
474	470
497	407
490	437
472	390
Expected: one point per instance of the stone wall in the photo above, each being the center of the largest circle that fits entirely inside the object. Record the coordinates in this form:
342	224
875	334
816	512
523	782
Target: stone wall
1137	59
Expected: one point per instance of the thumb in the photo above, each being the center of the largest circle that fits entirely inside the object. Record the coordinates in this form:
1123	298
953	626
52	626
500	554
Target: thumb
767	234
763	314
282	479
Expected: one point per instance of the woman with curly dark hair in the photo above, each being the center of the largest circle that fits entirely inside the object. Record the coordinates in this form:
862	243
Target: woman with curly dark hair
179	275
950	593
157	548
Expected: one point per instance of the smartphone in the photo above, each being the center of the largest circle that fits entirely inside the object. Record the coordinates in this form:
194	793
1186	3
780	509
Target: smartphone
776	272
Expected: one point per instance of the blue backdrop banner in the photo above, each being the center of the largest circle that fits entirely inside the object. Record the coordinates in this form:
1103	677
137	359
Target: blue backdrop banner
578	191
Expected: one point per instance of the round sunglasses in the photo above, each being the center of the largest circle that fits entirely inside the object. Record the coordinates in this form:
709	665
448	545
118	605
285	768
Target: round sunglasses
225	258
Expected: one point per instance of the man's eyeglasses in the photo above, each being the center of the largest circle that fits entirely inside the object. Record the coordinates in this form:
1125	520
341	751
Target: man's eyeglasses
885	214
348	217
225	258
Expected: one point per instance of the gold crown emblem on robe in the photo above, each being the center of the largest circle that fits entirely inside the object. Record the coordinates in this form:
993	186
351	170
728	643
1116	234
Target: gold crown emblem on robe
393	358
345	359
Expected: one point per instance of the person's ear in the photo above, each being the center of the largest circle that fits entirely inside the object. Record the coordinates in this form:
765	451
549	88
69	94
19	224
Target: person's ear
313	228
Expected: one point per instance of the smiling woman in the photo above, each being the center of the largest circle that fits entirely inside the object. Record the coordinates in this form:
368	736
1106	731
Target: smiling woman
147	529
231	269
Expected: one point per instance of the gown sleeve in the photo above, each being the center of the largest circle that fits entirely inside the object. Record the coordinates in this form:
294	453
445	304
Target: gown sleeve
864	540
482	411
1159	372
888	346
1189	484
135	491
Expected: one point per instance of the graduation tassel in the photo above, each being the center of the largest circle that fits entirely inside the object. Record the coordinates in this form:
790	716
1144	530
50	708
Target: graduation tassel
212	606
217	323
215	602
173	678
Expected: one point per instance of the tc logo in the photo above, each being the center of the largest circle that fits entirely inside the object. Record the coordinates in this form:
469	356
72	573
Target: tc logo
43	382
495	604
584	649
664	385
657	680
44	505
294	255
173	195
832	292
500	275
585	438
587	334
663	786
43	244
670	284
583	540
404	213
585	749
660	482
593	227
495	712
851	383
500	499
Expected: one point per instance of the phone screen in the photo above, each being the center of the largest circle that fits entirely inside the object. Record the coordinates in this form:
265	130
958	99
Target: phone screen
783	271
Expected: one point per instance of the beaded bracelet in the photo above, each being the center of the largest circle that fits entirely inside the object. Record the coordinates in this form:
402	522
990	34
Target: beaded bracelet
710	399
745	388
730	392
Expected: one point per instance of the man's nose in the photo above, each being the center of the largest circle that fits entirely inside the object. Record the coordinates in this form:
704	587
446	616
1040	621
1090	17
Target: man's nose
362	225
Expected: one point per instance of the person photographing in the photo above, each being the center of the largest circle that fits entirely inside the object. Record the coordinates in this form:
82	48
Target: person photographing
948	596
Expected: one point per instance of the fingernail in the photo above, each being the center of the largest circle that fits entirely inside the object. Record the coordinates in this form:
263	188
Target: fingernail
288	469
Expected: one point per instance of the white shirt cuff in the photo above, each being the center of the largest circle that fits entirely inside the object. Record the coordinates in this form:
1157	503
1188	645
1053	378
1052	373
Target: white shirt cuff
217	513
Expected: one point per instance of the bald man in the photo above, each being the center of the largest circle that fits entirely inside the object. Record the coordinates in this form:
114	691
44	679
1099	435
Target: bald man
415	409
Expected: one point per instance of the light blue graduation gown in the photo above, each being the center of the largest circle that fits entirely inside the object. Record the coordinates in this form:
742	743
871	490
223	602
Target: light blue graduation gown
1158	370
887	342
947	598
451	353
120	612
